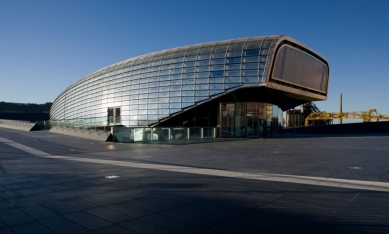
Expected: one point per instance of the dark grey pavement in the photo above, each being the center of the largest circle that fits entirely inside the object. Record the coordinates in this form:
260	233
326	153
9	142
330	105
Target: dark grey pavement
193	188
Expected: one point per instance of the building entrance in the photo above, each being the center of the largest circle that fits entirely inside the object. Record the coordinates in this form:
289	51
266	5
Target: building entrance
252	126
248	119
114	116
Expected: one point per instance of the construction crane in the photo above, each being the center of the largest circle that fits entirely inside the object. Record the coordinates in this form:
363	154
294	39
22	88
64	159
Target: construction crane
366	116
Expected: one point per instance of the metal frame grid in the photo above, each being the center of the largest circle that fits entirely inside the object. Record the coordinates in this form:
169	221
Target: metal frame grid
151	87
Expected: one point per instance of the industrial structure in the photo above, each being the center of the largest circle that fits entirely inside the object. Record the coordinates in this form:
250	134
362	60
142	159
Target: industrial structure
238	86
366	116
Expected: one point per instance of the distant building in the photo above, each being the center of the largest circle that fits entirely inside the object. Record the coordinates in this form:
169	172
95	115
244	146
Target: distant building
240	86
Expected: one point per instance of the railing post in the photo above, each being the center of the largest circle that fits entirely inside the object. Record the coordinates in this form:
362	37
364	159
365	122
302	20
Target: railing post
188	133
201	132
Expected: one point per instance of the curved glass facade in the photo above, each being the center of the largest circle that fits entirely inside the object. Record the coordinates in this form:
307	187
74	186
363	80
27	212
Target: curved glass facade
146	89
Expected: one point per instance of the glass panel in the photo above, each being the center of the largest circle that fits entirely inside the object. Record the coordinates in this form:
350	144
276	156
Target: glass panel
202	86
233	66
175	88
228	86
203	56
189	64
253	46
176	82
217	86
232	73
153	100
187	104
250	66
201	69
198	99
187	70
163	89
187	93
202	63
177	65
163	111
234	54
175	99
249	79
188	99
189	75
163	106
178	60
164	83
175	71
152	90
233	60
218	73
188	81
250	52
214	92
216	80
163	100
235	47
201	93
218	55
174	77
250	73
217	67
163	78
227	120
190	58
174	94
175	105
187	87
217	61
202	81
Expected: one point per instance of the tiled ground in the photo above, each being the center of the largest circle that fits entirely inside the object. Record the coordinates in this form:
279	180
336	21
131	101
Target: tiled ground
49	195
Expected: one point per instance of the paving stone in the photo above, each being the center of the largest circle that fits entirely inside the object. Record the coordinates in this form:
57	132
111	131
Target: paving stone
62	225
5	205
14	216
113	229
79	203
109	215
20	202
30	227
172	223
38	212
140	226
87	220
60	207
6	230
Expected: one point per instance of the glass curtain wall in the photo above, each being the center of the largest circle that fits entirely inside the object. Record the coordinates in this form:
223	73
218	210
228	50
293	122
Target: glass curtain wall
249	119
152	87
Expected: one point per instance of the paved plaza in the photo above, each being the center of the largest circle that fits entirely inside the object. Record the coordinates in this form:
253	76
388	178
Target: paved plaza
51	183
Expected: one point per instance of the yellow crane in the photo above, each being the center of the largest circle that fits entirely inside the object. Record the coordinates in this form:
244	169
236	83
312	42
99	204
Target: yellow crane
367	116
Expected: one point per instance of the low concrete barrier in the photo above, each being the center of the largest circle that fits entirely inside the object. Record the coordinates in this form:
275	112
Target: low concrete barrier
94	134
19	125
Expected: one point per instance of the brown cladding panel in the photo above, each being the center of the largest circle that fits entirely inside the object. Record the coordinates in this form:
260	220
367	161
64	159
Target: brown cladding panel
299	68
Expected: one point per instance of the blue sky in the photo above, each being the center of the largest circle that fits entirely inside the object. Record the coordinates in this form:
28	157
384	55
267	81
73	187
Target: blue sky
47	45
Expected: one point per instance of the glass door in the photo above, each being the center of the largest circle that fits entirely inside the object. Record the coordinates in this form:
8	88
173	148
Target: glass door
252	126
227	120
113	114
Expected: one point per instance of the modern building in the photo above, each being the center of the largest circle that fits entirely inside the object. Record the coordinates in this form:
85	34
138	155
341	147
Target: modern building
240	86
